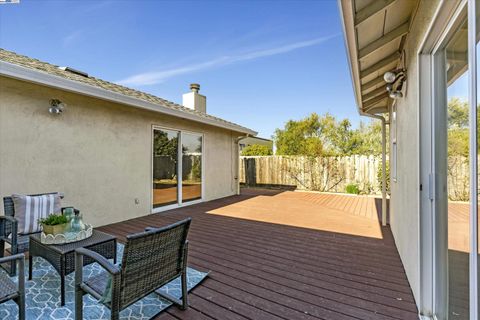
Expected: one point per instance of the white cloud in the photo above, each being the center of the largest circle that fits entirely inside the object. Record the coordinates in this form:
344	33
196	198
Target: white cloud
71	37
149	78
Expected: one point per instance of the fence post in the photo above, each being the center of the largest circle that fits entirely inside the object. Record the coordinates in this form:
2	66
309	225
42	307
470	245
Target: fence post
250	172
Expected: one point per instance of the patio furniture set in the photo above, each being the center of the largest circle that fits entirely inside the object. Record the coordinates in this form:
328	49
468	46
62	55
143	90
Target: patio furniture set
150	260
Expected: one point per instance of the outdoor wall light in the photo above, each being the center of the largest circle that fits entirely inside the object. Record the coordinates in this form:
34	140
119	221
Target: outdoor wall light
389	77
56	106
395	80
396	95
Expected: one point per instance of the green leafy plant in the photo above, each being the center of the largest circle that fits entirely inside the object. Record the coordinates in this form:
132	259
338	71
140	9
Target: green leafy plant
353	189
53	220
257	150
197	170
380	175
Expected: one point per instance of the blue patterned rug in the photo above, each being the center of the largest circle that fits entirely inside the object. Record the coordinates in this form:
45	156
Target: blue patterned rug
43	295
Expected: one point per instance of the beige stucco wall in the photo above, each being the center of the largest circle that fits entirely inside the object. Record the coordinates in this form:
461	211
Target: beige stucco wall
404	205
98	153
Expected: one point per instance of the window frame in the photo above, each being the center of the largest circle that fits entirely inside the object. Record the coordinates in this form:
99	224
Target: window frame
394	154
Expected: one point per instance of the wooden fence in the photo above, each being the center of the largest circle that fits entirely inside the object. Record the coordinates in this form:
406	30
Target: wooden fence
333	174
330	174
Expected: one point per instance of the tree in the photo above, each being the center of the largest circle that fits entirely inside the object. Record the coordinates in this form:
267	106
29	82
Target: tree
368	138
457	113
337	137
326	136
299	137
257	150
165	146
458	133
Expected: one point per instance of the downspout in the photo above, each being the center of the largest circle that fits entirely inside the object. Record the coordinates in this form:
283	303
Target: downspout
384	164
237	175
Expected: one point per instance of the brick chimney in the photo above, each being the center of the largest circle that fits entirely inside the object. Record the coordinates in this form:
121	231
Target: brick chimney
194	100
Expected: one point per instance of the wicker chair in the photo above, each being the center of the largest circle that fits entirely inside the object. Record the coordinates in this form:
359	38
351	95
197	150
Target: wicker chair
9	232
8	289
150	260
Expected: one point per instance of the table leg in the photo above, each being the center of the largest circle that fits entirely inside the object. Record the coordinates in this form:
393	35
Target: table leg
30	266
62	281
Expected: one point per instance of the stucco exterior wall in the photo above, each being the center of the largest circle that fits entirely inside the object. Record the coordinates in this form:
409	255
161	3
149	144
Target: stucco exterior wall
98	153
405	201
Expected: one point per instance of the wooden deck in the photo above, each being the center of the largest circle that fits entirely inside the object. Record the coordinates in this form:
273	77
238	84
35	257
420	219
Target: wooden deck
278	255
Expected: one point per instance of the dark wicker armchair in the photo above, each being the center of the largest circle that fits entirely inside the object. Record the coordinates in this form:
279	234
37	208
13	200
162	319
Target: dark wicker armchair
150	260
9	232
8	289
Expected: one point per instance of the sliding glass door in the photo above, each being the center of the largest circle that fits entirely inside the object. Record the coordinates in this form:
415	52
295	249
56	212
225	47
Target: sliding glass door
176	168
449	114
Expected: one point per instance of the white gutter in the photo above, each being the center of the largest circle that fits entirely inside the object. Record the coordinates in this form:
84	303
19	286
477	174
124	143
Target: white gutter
346	14
384	164
43	78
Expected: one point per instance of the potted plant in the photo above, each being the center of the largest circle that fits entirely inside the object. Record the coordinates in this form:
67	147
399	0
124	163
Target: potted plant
54	224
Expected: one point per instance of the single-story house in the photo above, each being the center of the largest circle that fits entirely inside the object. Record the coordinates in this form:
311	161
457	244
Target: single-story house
414	65
116	153
248	141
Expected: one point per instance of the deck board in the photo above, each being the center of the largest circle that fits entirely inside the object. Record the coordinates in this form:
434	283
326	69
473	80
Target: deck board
264	270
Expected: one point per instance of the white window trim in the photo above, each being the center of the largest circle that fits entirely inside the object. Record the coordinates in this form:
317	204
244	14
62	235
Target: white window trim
473	104
393	162
394	155
180	202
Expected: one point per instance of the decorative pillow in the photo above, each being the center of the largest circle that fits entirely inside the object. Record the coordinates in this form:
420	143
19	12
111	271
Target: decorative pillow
29	209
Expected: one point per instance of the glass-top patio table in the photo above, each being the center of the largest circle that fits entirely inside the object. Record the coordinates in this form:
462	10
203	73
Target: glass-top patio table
62	256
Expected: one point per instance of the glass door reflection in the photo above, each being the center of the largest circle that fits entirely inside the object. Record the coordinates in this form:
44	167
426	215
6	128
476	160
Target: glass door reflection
191	167
165	167
458	168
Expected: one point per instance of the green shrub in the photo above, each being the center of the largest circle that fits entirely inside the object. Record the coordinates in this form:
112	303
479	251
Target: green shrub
53	220
257	150
379	175
353	189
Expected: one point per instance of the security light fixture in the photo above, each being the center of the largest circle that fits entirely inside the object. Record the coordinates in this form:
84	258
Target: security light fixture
389	77
56	107
396	94
394	76
395	80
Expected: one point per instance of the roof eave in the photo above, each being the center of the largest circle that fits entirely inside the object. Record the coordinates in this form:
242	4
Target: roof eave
35	76
347	16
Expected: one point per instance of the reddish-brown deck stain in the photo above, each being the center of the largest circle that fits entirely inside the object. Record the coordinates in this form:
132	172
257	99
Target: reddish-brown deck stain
272	258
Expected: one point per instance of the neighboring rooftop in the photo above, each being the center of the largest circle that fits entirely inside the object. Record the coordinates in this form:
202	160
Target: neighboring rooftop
72	78
259	138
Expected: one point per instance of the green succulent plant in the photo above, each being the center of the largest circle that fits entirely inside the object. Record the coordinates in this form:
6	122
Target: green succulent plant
53	220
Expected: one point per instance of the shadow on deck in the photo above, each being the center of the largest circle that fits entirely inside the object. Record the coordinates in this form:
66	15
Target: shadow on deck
287	255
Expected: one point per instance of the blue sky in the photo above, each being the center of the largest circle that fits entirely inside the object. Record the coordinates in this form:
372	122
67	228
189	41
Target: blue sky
260	63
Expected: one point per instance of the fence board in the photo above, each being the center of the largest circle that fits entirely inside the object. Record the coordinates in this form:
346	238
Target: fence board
333	174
